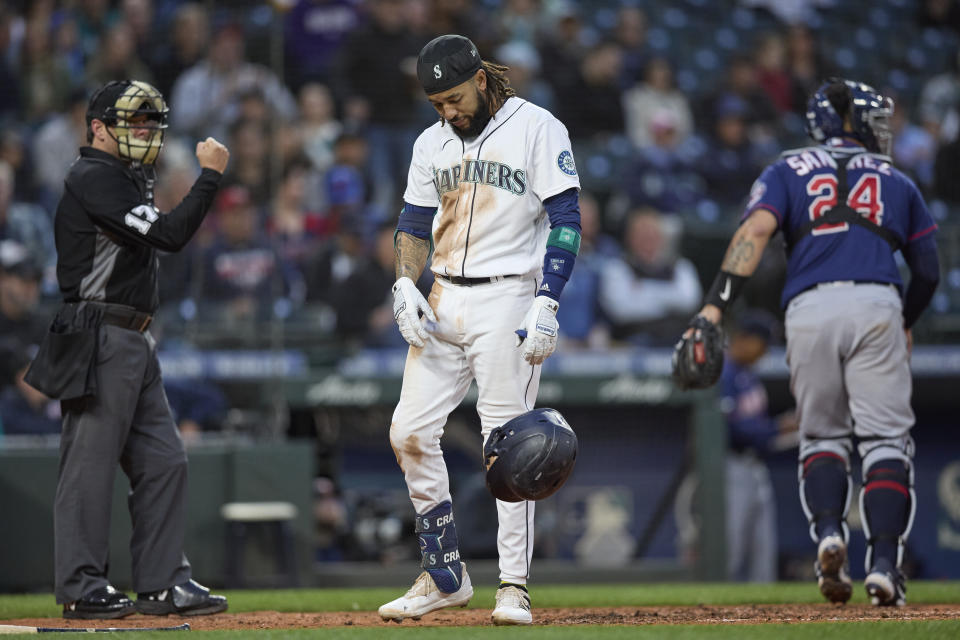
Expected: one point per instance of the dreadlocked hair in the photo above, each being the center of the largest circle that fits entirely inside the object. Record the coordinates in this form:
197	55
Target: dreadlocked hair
498	85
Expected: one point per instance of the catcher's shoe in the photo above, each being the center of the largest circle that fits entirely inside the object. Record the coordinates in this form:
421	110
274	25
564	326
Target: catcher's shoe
832	577
513	606
885	586
424	597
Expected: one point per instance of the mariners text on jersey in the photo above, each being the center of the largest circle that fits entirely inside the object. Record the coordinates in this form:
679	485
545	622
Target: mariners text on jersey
488	172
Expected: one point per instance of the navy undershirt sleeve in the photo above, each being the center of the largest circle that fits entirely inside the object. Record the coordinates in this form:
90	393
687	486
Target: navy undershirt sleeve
921	256
417	221
563	210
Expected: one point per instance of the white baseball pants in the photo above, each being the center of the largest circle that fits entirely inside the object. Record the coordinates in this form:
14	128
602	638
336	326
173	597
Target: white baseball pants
474	339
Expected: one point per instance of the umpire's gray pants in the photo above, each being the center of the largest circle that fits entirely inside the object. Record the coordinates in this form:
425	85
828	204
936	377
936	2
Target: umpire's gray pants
128	422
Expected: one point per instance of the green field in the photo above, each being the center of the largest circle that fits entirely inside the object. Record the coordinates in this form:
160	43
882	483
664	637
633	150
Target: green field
548	596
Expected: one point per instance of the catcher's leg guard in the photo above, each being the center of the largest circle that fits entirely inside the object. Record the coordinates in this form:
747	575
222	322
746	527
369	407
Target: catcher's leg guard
437	535
825	488
887	505
825	496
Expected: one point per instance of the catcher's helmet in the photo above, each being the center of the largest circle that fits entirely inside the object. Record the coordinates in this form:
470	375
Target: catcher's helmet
124	104
530	457
869	114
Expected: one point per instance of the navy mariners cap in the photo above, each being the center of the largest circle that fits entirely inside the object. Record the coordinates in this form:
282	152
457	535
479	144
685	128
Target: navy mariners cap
445	62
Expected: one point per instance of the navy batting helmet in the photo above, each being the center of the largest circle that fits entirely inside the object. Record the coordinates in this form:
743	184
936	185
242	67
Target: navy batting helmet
530	457
869	113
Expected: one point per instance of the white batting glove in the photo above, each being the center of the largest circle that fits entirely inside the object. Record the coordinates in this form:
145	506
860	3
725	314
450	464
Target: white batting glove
538	331
408	305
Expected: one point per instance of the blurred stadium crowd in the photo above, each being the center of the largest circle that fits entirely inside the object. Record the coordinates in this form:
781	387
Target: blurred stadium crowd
673	107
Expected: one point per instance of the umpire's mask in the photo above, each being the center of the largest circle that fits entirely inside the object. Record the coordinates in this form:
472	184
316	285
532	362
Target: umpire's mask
127	104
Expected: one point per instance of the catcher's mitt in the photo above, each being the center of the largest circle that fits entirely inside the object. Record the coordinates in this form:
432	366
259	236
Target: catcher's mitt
698	358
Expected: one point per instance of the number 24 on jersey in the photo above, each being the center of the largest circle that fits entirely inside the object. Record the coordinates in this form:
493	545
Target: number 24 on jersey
864	198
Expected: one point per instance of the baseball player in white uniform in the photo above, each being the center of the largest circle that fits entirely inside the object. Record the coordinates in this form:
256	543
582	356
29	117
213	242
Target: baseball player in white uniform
493	192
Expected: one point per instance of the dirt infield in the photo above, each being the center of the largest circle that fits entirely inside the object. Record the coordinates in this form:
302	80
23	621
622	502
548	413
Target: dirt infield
579	616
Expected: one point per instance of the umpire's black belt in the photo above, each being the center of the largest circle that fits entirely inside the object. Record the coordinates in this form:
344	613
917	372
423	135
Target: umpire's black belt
126	318
469	282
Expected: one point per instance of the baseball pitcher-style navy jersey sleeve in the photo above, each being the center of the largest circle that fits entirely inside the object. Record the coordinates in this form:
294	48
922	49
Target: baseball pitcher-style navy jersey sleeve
802	186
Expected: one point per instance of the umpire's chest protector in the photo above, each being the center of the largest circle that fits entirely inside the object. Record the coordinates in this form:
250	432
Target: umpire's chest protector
489	190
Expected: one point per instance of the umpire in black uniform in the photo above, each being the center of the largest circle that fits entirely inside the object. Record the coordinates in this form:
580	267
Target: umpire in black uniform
100	360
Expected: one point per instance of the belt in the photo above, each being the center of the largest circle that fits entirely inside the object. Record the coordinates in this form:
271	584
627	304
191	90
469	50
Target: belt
127	318
469	282
835	283
847	283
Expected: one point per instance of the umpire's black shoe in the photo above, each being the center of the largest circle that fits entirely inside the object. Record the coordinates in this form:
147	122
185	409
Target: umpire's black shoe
187	599
105	603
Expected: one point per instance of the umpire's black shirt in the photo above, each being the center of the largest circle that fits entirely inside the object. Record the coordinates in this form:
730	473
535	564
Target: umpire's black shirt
108	231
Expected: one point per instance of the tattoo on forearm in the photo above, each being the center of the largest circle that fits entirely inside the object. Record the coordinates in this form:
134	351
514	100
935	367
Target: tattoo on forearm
739	256
412	253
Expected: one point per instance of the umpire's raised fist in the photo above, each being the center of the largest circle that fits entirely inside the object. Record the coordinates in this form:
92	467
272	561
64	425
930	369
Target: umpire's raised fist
212	155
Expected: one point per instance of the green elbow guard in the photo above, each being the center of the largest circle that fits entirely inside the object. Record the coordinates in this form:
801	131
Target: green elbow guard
564	238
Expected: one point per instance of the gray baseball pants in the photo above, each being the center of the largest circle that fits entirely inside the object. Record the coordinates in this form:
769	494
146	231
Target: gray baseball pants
128	422
850	371
751	520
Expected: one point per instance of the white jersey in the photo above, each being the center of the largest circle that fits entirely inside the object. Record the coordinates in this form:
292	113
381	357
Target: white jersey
489	191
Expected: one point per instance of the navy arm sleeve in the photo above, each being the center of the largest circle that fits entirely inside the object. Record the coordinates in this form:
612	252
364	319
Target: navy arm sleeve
114	202
563	210
921	256
417	221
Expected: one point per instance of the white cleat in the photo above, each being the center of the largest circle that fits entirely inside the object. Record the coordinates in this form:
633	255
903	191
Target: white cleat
424	597
832	578
885	589
513	606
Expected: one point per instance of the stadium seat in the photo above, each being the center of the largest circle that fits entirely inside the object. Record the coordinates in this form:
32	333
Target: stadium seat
241	519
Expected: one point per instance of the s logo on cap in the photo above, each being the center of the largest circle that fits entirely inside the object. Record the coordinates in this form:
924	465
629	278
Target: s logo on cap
436	71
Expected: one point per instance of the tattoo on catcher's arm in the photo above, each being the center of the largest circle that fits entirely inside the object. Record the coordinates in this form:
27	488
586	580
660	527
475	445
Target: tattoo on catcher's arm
738	255
746	248
412	253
